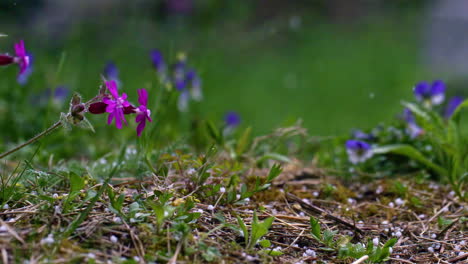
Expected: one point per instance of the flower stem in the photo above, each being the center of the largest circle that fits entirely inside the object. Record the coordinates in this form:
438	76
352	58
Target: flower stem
32	140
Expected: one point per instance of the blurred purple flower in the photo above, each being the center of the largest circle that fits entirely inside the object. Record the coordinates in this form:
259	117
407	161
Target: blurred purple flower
358	151
412	128
179	75
180	6
232	119
23	77
143	113
111	72
194	82
359	134
430	94
183	101
158	61
452	106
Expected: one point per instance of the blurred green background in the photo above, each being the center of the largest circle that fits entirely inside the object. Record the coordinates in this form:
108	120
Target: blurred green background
337	65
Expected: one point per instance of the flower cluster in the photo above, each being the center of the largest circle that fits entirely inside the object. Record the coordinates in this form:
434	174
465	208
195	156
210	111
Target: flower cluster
429	95
179	76
117	106
22	58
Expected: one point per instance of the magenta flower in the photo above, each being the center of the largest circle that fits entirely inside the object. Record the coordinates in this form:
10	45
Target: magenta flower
22	57
143	113
115	105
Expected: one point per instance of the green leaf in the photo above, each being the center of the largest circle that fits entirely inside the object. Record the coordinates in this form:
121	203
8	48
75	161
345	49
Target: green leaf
315	228
411	153
273	156
458	109
77	183
275	171
243	227
274	253
243	141
265	243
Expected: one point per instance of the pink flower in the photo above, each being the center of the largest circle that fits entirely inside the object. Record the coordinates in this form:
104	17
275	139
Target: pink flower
115	105
143	113
22	57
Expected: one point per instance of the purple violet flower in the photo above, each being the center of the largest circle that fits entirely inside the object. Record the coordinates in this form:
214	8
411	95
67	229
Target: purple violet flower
452	106
358	151
178	75
412	128
232	119
359	134
111	72
22	57
143	113
115	105
194	82
430	94
158	61
23	77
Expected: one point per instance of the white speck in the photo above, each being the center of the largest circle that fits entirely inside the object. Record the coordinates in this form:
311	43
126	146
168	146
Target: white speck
301	214
55	196
451	194
457	248
48	240
399	201
390	250
6	206
102	161
106	210
191	171
430	249
315	194
91	255
398	234
385	222
461	253
10	220
247	200
222	190
351	201
309	253
422	216
428	147
114	239
462	243
375	241
433	236
379	190
238	196
136	258
306	201
445	209
117	220
57	209
211	207
3	228
371	95
278	248
386	230
250	258
199	210
132	220
391	204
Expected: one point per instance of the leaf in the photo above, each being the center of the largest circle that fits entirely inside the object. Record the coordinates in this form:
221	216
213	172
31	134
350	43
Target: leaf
273	156
245	232
85	124
243	141
265	243
77	183
411	153
3	35
275	171
456	112
315	228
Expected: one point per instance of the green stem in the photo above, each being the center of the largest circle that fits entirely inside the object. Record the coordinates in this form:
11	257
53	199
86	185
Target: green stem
32	140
